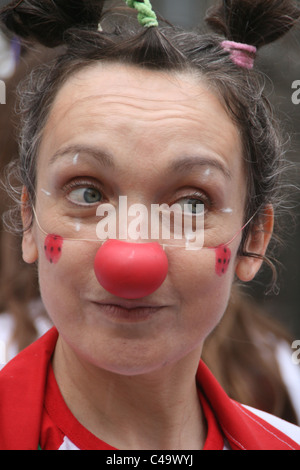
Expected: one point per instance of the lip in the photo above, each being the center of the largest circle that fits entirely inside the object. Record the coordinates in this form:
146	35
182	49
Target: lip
128	312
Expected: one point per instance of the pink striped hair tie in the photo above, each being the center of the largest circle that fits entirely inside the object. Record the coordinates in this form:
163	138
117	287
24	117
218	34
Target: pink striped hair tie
241	54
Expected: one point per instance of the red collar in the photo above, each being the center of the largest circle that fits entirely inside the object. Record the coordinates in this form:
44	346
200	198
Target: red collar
59	423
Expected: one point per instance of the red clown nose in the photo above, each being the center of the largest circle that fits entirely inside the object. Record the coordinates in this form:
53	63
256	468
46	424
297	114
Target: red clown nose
130	270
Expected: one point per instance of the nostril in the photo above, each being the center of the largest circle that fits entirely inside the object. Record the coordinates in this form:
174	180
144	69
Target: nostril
130	270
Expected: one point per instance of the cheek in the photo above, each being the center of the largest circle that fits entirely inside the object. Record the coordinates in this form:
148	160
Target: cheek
204	280
64	272
205	275
203	293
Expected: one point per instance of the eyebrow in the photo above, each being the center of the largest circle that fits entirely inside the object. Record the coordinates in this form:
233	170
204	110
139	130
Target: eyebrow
99	154
183	164
190	163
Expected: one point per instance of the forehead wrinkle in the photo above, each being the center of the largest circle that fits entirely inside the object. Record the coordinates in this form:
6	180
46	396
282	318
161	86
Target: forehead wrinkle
184	89
172	116
187	107
131	102
185	110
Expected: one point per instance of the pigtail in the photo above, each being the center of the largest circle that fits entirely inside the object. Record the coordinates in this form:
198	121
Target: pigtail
47	21
254	22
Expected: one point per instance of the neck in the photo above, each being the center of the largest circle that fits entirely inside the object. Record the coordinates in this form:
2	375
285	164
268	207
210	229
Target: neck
162	407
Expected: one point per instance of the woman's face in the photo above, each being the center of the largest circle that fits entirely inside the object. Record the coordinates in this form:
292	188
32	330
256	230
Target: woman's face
155	138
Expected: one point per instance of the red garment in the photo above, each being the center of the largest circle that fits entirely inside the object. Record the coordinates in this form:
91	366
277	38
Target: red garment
60	428
29	395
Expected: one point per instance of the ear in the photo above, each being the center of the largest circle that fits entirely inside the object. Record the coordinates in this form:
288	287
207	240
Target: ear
257	242
29	246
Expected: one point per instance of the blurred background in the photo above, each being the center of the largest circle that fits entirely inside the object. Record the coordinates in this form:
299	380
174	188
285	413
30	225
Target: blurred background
281	62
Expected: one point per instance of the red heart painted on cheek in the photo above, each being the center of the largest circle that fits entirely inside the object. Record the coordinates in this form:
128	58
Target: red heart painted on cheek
53	247
223	256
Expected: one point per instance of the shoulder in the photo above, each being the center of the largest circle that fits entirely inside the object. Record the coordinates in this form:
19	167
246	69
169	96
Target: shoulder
22	389
244	427
288	429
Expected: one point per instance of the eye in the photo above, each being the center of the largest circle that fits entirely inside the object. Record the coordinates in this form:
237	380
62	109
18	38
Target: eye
85	195
192	205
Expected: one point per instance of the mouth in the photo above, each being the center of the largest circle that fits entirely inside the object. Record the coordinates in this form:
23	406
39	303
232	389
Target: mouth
128	312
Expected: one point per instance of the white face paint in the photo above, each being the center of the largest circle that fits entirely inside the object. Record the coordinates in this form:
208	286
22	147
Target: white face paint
75	158
228	210
77	225
79	188
47	193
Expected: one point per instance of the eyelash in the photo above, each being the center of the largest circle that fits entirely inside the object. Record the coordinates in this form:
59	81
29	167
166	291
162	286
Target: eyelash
78	184
202	197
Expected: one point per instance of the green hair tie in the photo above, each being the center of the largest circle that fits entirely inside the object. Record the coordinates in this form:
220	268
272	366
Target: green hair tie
146	15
